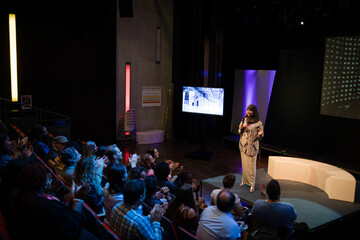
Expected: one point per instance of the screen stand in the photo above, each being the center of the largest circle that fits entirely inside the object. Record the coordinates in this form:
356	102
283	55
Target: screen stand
201	154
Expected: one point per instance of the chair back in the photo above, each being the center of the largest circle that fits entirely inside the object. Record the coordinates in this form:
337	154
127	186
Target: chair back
91	222
146	209
4	233
108	233
185	235
168	226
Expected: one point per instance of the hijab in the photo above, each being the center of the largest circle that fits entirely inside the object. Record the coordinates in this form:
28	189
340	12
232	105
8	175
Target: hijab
255	117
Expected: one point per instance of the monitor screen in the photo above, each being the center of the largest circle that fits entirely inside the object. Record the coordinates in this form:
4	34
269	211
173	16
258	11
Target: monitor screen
203	100
341	77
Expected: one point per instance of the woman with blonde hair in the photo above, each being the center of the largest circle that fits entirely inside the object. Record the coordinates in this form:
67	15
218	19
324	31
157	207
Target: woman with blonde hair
86	174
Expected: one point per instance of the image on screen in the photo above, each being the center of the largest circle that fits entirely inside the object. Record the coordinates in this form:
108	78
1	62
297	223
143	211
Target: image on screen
203	100
340	94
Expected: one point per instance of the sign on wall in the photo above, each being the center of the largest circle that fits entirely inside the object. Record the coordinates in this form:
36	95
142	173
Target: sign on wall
151	96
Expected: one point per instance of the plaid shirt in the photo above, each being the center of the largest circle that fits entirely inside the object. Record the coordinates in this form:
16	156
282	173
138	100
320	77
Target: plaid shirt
129	224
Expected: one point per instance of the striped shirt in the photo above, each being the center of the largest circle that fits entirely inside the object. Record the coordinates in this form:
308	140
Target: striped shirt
129	224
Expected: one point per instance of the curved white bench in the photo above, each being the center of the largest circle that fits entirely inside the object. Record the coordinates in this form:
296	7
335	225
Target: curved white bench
336	182
150	136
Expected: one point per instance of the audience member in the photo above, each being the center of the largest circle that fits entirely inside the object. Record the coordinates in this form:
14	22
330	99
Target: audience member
5	151
217	222
58	145
186	177
153	196
162	172
175	169
114	156
148	162
69	157
39	140
137	173
113	190
128	223
10	150
228	183
9	184
154	153
77	145
87	173
183	211
274	216
89	148
37	215
101	151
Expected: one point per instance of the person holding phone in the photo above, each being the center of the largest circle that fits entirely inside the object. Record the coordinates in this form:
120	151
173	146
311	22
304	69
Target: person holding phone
251	131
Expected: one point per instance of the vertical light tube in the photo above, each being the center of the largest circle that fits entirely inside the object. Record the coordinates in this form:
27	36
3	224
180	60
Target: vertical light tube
13	58
127	87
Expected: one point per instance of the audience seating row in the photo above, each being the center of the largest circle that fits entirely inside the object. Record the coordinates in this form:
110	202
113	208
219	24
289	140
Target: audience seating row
92	221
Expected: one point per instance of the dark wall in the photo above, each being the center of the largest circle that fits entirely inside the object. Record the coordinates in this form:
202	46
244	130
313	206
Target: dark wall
195	21
66	61
293	119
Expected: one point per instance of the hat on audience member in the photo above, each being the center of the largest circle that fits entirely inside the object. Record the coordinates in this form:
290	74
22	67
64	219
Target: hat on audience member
61	139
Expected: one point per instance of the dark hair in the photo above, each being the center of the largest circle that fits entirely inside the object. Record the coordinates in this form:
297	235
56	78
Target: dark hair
162	170
133	190
32	178
151	152
101	151
225	200
145	161
134	173
184	196
229	180
36	132
151	185
69	156
273	190
184	177
255	117
110	151
77	145
115	177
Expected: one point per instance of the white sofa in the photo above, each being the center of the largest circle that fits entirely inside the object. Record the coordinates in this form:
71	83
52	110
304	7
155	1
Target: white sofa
336	182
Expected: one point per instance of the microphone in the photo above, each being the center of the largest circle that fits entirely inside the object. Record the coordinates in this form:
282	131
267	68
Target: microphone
243	119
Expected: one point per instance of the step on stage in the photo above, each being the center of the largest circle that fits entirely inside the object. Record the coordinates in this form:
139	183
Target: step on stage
311	203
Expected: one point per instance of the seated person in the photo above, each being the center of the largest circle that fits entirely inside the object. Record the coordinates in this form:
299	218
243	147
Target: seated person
147	162
113	191
86	174
127	222
58	145
272	212
183	211
162	172
137	173
69	157
39	138
114	156
35	213
217	222
154	153
153	196
228	183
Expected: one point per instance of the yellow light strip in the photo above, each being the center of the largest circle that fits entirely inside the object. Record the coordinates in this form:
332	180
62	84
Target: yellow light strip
13	58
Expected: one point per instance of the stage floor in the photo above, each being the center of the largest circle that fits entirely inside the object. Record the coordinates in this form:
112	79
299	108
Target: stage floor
311	203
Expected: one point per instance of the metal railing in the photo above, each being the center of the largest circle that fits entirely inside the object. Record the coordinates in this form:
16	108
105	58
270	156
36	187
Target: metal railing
12	113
